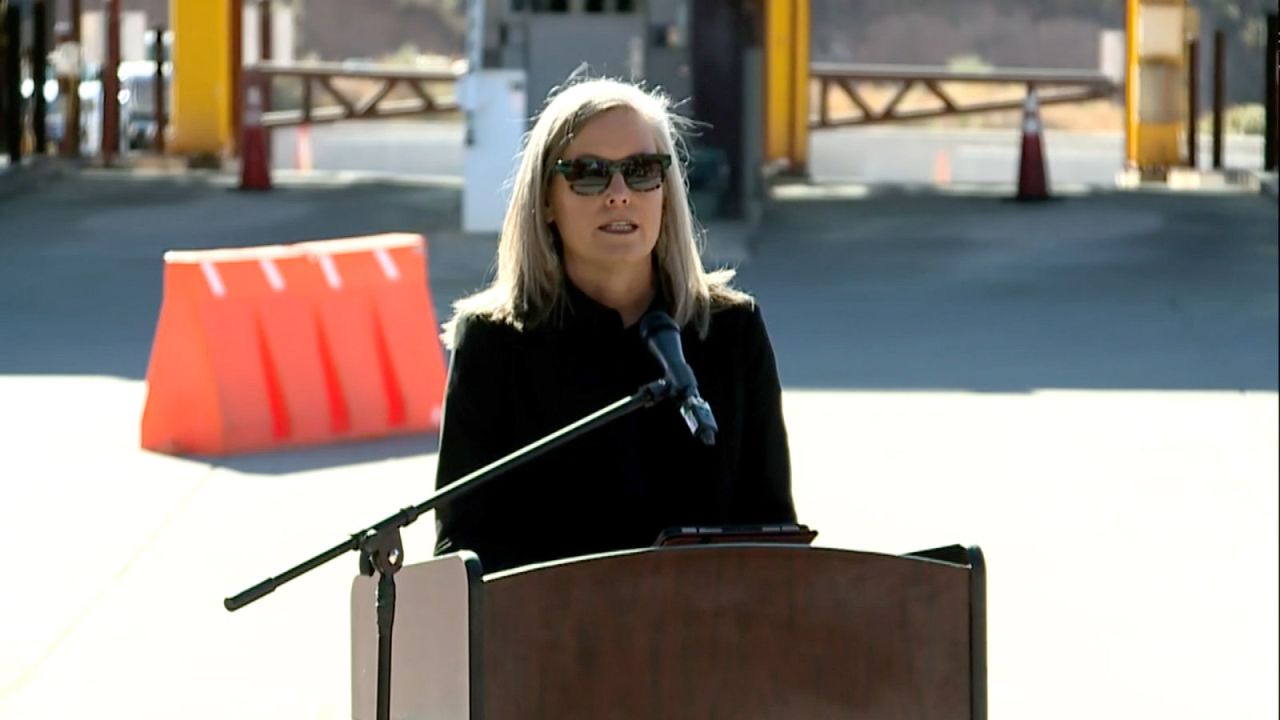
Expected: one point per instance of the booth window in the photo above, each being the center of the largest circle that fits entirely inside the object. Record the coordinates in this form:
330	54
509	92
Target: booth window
562	6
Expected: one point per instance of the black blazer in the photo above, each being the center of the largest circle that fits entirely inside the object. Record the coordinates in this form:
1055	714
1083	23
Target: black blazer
618	486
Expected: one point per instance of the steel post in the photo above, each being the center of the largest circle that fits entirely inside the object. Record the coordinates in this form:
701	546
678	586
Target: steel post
111	85
1219	93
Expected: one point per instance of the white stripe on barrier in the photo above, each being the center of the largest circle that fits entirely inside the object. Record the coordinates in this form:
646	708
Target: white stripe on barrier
388	264
330	272
212	277
273	274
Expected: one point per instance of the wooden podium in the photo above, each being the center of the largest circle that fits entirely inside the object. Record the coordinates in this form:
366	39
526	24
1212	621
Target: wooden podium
699	632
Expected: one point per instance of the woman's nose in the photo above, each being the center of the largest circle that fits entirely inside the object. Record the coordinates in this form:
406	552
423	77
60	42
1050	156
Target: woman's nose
617	193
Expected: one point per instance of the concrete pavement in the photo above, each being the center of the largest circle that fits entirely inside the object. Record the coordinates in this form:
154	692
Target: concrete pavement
1105	290
1085	388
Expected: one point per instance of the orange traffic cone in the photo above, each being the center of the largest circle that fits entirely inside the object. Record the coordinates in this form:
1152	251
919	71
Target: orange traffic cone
255	171
942	168
1033	178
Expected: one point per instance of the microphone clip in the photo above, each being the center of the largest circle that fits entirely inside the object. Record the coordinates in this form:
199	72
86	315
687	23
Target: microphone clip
697	415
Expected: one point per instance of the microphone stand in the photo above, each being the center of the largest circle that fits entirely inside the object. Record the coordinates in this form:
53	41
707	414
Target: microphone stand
380	547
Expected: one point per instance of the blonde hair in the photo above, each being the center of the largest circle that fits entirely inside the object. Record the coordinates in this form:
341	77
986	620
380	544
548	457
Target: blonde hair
529	286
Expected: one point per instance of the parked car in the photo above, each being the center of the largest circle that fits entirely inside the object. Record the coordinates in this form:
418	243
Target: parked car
138	102
137	107
53	121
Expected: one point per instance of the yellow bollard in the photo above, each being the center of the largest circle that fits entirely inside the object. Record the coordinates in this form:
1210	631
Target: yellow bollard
1156	83
786	75
200	119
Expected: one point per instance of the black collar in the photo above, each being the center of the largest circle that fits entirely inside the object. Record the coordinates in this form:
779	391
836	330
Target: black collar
586	313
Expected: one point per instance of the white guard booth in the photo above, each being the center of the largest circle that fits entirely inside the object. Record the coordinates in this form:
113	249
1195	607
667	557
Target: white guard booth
495	104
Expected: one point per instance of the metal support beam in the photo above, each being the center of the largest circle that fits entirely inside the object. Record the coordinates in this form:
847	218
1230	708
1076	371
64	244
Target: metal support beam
265	54
159	100
39	72
1271	76
235	21
71	109
264	31
111	85
1219	93
11	79
1193	103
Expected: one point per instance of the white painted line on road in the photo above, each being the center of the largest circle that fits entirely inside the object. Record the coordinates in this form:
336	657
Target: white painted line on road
212	277
388	264
331	275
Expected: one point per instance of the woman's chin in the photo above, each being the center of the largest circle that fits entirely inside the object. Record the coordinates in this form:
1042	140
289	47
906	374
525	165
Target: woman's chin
613	257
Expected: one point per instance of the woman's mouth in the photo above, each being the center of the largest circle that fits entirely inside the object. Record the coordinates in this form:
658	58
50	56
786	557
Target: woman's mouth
620	227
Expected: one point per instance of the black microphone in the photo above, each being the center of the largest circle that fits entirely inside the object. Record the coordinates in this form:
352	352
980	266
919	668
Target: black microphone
662	335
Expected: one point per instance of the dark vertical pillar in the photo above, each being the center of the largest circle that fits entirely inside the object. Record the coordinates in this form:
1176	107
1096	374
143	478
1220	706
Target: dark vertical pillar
716	44
1219	93
236	8
265	53
111	85
1193	102
264	30
159	104
1271	76
11	102
39	74
72	106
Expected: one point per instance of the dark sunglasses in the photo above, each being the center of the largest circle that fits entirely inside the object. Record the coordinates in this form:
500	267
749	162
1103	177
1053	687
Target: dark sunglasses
590	176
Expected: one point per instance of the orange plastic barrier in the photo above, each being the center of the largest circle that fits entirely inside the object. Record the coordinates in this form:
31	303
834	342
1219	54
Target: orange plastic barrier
267	347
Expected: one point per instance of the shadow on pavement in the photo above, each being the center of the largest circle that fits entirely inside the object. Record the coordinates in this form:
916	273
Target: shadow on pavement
297	460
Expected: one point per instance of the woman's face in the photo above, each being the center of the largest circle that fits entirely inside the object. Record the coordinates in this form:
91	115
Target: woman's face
617	229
